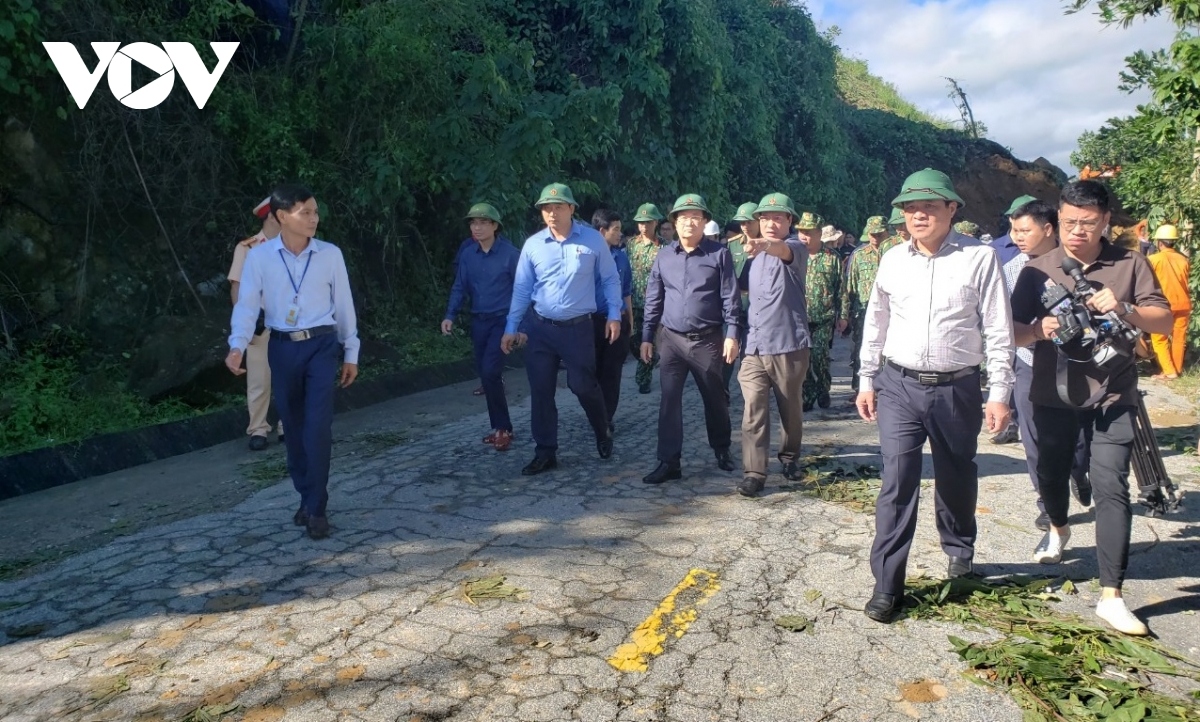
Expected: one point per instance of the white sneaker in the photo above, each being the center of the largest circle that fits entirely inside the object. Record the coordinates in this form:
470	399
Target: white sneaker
1120	618
1050	550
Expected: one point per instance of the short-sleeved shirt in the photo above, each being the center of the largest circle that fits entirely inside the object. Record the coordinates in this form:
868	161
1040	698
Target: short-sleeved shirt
1130	278
239	256
778	315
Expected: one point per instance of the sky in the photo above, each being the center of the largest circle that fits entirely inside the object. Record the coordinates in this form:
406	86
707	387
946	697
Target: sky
1036	77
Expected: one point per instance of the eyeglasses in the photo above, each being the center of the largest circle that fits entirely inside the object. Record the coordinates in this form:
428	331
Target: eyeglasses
1072	224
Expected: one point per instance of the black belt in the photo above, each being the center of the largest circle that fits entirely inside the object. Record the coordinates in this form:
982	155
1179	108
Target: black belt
934	378
302	335
696	335
569	322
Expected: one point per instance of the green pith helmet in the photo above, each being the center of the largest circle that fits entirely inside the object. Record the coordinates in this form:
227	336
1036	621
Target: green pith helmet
875	224
776	203
927	185
1020	201
689	202
967	228
745	212
556	193
897	218
647	212
809	221
484	210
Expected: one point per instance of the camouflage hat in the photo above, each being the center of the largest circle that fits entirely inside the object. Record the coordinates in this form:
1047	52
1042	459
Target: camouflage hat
897	218
809	221
875	224
745	212
647	212
776	203
967	228
556	193
484	210
927	185
1020	201
689	202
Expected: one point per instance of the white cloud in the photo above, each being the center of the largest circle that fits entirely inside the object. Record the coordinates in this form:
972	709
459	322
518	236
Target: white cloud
1036	77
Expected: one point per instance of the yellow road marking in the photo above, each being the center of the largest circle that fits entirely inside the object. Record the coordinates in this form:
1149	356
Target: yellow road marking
669	620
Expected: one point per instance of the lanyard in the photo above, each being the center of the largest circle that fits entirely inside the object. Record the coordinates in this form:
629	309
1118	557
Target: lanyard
296	286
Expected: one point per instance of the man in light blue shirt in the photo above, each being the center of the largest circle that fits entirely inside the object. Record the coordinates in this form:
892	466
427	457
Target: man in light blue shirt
301	285
558	274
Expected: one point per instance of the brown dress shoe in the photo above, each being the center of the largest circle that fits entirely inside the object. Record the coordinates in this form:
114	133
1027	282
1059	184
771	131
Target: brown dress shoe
490	439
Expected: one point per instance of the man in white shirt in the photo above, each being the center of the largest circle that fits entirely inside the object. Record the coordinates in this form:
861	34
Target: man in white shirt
937	303
301	285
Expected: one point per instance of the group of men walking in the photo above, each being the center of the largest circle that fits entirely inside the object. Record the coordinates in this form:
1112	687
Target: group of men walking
928	308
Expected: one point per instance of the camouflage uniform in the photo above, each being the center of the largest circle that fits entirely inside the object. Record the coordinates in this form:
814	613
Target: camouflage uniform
860	279
822	285
642	253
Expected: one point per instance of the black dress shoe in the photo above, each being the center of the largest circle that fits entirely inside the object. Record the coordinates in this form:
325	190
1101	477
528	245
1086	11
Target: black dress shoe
824	401
1042	522
258	443
724	460
540	464
318	527
750	486
644	388
791	471
300	518
882	608
1010	435
604	446
664	472
958	567
1081	489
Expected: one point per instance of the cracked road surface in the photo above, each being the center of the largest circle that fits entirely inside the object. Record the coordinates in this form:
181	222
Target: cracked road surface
238	616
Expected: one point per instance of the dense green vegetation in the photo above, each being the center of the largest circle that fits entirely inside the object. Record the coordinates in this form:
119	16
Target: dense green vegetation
399	114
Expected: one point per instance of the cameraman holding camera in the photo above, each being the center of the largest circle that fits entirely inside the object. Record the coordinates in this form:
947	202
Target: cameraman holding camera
1084	377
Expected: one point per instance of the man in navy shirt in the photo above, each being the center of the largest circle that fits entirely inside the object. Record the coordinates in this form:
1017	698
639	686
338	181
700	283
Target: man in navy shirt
1004	246
611	357
693	295
485	274
559	272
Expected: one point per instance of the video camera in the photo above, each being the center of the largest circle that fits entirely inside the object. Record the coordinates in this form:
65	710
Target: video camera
1083	334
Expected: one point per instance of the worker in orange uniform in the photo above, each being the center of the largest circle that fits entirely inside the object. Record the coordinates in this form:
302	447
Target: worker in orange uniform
1172	270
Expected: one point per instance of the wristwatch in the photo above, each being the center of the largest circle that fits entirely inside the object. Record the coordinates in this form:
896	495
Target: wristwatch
1126	309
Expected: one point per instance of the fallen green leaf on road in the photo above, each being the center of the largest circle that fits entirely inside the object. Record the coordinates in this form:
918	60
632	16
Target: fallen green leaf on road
795	623
493	587
210	712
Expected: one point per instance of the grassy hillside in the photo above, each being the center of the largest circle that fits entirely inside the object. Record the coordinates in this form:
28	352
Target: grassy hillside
865	91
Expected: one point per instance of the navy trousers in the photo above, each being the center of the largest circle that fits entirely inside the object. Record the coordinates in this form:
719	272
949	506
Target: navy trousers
1023	410
303	376
949	417
610	357
489	365
703	360
572	344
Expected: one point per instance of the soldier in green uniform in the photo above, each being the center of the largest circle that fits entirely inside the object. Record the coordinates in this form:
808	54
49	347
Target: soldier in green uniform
856	291
642	250
899	232
741	268
822	284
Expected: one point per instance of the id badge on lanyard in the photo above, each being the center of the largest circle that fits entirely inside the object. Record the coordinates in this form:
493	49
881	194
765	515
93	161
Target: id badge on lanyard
292	319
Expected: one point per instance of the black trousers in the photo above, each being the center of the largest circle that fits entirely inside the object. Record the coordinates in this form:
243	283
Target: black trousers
610	357
950	417
680	356
573	345
1111	447
1023	410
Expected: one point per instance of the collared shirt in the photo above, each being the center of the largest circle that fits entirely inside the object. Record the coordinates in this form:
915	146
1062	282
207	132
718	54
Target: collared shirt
938	313
741	267
693	291
642	253
1129	276
778	315
626	274
1172	270
561	278
239	256
486	278
1012	270
324	297
1005	249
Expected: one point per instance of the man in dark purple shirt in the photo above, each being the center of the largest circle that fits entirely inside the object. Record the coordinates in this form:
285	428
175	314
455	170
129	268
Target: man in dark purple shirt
692	293
777	345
